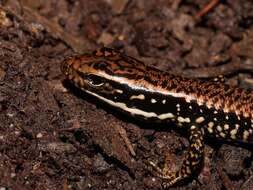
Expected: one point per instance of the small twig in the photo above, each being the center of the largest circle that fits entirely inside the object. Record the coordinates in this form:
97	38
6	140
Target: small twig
77	44
123	135
206	8
210	72
249	81
57	32
65	184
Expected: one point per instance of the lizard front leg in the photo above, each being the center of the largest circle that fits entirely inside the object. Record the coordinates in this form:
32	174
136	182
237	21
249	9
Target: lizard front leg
190	164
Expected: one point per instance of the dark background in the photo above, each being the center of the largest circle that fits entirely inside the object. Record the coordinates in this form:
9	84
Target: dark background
52	136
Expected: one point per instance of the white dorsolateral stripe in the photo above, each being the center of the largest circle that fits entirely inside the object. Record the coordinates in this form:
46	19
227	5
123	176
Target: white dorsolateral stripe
132	110
150	88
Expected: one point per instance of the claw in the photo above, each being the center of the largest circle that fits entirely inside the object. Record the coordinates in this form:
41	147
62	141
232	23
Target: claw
190	164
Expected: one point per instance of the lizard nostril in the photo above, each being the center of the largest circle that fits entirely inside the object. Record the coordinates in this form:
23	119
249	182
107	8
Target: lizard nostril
64	68
65	65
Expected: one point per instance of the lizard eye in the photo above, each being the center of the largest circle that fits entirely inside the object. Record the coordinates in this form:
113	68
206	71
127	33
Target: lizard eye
95	80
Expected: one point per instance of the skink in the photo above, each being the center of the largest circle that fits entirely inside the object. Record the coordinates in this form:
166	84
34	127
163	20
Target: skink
202	108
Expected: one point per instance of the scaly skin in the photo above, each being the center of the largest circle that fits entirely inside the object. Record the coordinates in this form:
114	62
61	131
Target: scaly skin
200	107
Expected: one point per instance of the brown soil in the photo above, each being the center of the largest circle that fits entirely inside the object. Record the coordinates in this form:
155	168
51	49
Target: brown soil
54	137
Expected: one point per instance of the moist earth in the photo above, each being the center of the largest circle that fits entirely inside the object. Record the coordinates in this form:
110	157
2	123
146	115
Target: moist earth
53	136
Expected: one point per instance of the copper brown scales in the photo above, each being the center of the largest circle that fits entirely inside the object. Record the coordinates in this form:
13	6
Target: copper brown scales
199	107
